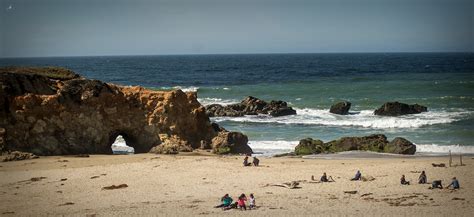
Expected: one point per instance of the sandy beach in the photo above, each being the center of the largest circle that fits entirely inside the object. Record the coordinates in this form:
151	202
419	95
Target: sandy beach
192	184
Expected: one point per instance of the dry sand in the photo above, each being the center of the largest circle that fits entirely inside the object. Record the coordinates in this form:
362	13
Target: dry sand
190	185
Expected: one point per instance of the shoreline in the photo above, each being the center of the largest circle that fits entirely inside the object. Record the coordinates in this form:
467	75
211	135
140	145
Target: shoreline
192	183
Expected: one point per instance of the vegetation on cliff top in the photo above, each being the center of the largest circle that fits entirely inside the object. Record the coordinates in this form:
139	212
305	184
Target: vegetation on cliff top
49	71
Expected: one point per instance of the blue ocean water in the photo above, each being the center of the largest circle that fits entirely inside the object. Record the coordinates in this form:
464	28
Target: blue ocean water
311	83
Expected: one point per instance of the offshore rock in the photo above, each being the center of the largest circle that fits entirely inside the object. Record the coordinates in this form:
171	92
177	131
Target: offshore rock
375	143
397	109
340	108
53	111
250	106
230	143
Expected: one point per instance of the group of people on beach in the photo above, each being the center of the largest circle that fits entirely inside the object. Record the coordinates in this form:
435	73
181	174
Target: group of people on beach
228	203
422	179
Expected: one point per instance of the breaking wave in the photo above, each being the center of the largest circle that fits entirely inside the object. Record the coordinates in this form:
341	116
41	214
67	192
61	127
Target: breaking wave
364	118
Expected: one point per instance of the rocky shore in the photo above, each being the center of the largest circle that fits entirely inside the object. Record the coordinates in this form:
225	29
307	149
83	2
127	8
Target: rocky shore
374	143
54	111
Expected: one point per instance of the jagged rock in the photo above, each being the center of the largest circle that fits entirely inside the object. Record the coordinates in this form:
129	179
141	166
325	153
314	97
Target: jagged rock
250	106
375	143
340	108
171	145
45	113
309	146
397	109
400	146
230	143
17	155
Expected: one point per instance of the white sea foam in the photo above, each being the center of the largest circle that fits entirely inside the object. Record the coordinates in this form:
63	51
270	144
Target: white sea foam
364	118
270	148
211	100
119	146
187	89
434	148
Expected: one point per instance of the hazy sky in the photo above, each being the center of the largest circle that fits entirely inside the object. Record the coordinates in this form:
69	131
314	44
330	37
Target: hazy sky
119	27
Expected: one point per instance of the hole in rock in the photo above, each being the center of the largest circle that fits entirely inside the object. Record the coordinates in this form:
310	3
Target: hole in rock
120	146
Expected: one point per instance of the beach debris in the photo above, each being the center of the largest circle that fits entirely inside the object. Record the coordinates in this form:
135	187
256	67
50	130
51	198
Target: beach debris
350	192
62	180
367	178
289	185
112	187
95	177
367	194
457	198
438	165
36	179
82	155
17	155
8	212
66	204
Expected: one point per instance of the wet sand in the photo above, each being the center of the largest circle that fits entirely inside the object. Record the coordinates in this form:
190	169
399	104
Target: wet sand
191	184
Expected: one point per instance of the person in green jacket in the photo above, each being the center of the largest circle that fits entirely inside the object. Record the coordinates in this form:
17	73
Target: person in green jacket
226	201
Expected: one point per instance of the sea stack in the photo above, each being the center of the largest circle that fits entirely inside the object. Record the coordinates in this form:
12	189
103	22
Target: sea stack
340	108
53	111
250	106
397	109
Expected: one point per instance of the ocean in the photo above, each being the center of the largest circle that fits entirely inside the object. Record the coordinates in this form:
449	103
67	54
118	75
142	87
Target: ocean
310	83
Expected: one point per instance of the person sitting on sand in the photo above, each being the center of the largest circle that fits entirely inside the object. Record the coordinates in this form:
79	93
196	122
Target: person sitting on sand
357	177
454	183
256	161
436	184
403	181
241	202
252	202
324	178
246	161
422	179
226	201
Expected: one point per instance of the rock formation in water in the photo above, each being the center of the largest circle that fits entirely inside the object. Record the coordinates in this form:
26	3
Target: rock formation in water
340	108
397	109
53	111
250	106
375	143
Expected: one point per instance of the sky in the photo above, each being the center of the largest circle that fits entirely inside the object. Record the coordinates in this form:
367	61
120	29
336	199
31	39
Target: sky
36	28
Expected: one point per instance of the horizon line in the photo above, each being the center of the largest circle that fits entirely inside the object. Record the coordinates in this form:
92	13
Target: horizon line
216	54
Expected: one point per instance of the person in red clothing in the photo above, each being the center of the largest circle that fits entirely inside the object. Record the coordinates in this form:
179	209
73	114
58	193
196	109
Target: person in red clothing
241	202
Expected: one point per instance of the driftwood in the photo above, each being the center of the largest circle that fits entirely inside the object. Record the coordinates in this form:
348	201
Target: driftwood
112	187
350	192
439	165
289	185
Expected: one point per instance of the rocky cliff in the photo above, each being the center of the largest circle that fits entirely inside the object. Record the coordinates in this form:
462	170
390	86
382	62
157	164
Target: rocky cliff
53	111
